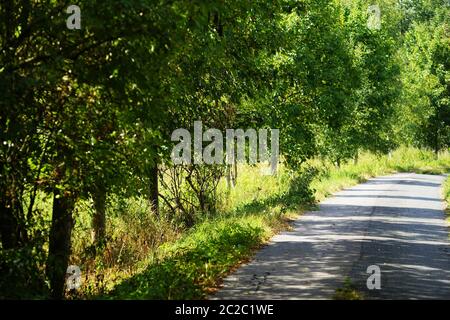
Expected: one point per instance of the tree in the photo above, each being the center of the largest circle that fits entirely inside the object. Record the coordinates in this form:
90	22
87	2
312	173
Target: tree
425	109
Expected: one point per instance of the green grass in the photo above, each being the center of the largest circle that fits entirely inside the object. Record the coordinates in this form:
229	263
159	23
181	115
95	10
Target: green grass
259	207
184	269
348	292
446	192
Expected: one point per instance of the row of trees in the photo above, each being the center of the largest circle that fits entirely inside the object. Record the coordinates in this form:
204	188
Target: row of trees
425	107
87	113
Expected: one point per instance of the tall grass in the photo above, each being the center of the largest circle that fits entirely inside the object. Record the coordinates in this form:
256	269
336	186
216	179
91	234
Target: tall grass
446	194
133	234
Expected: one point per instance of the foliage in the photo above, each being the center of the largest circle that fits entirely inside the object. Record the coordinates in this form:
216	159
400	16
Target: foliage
196	261
86	118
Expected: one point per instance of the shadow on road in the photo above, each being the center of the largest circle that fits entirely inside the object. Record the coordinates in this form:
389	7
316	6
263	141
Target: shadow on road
394	222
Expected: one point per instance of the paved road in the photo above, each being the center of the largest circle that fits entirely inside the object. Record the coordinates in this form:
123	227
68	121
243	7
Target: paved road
395	222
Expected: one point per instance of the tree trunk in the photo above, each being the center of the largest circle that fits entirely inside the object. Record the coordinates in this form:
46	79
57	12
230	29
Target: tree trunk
99	217
12	224
436	144
228	177
153	190
356	158
59	242
234	173
338	163
8	227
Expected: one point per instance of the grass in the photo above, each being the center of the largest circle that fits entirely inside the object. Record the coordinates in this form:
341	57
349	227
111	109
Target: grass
446	193
184	269
192	266
348	292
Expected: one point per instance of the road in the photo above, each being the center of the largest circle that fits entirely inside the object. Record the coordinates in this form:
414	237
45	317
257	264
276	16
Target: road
396	222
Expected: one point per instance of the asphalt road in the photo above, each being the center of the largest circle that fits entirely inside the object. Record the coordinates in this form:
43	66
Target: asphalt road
396	222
